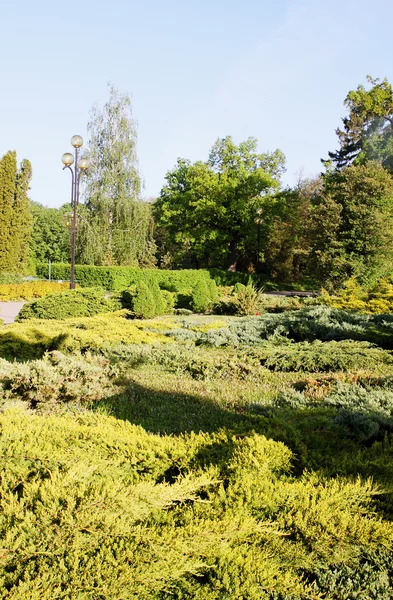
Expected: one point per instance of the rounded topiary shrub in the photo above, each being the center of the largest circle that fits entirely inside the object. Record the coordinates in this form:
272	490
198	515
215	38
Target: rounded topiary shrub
143	305
159	302
200	297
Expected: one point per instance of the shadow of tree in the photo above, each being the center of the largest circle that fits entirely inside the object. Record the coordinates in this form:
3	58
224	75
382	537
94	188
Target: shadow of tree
316	437
23	347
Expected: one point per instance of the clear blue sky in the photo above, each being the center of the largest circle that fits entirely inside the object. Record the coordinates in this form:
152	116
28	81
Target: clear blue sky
196	70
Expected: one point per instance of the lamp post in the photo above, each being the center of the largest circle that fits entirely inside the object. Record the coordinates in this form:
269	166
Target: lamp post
79	167
259	221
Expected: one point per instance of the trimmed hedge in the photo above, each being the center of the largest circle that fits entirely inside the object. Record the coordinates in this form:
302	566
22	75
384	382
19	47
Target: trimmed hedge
120	278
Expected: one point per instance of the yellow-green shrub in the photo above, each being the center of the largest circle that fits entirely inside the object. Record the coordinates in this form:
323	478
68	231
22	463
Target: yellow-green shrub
94	507
29	290
30	339
377	299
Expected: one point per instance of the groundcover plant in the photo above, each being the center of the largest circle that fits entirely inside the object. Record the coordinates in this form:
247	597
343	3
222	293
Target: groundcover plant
195	457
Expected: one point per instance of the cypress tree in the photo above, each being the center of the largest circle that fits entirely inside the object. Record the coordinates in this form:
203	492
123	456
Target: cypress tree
8	249
22	216
15	215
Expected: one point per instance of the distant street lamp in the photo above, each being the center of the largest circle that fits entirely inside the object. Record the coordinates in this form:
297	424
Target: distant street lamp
80	166
259	221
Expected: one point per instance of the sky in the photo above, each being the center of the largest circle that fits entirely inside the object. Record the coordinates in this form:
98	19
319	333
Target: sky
195	71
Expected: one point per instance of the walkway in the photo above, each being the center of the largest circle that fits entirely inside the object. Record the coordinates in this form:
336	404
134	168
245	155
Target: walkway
9	310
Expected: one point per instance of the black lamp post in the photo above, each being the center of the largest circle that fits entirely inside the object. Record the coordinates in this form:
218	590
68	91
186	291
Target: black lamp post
80	166
259	221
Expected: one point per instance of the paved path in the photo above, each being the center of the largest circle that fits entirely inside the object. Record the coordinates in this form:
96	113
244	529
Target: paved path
9	310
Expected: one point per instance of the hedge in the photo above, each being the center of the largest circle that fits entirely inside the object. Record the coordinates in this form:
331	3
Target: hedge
120	278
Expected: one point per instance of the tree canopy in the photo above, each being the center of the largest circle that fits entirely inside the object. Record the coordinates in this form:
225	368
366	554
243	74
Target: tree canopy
115	223
367	132
206	210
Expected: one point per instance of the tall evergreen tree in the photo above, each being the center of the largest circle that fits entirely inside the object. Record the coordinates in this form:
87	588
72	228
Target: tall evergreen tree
22	217
15	216
8	171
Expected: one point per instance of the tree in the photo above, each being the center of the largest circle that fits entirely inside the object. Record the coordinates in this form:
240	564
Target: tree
15	217
120	225
205	213
22	217
351	231
50	237
368	129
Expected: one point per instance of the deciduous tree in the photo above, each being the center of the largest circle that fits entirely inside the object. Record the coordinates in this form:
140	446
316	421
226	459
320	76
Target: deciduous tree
207	209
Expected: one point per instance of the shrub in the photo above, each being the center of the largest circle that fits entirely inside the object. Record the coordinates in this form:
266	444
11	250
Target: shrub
31	289
200	297
121	278
320	356
246	300
377	299
56	379
169	299
7	278
31	339
159	302
143	304
73	303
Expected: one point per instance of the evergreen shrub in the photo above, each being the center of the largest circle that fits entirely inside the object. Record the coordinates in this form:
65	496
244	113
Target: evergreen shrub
56	379
73	303
93	503
28	290
7	278
353	297
143	303
201	299
30	339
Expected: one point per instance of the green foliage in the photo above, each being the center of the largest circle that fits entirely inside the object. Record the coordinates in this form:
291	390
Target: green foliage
30	289
200	297
120	278
320	356
50	236
55	379
143	304
215	202
368	130
7	278
73	303
353	297
15	217
246	299
117	228
201	515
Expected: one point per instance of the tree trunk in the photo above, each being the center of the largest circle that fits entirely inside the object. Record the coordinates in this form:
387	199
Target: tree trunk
231	262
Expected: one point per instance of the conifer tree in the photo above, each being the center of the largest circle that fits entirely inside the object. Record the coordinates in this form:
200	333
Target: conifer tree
8	252
22	216
15	215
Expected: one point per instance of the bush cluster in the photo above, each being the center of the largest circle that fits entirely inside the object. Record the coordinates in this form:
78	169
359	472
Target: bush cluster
353	297
127	514
28	290
73	303
56	379
30	339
